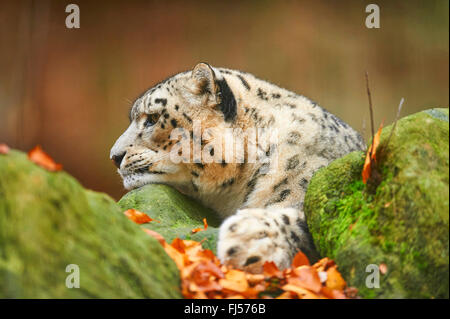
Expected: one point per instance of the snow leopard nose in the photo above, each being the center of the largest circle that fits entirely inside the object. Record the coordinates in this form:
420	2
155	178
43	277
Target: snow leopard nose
117	159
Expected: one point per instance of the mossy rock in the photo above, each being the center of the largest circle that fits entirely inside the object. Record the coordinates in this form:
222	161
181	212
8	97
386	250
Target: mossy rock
48	221
399	219
176	214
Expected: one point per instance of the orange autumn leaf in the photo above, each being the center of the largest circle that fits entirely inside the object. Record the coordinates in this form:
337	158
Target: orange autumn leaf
300	259
38	156
4	149
254	278
234	280
137	216
334	279
323	264
306	277
204	277
205	227
301	292
178	244
367	169
271	270
332	293
176	256
286	295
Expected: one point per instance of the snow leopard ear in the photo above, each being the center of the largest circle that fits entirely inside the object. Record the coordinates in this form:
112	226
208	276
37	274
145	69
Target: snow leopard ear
204	79
207	82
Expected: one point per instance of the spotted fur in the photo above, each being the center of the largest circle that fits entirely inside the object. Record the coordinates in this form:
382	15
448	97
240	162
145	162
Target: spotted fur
263	213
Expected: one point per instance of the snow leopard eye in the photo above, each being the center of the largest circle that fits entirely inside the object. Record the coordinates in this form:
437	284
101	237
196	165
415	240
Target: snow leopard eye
151	120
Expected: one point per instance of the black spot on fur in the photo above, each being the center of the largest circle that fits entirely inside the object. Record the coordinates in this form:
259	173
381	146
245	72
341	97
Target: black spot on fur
194	173
252	260
227	104
292	162
162	101
302	225
187	118
244	82
333	128
251	184
200	165
176	107
283	182
285	219
313	117
293	138
284	194
303	183
276	95
173	122
262	94
295	237
228	182
232	250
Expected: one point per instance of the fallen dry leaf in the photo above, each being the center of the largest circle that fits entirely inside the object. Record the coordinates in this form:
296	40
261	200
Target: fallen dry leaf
300	259
4	149
205	227
235	280
271	270
334	279
301	292
333	293
371	155
306	277
323	264
204	277
138	217
38	156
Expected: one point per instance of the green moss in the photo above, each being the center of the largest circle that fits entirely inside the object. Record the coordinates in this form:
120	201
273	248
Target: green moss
48	221
400	218
177	213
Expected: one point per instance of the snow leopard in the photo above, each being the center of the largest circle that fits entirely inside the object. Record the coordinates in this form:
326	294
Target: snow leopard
261	209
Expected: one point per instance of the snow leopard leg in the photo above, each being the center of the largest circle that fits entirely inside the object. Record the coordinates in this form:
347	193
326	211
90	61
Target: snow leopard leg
253	236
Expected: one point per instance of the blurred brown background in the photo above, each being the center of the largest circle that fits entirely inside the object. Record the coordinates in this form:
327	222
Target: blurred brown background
70	89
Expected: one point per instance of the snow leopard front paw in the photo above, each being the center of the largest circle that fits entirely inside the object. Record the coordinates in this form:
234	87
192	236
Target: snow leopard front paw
253	236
